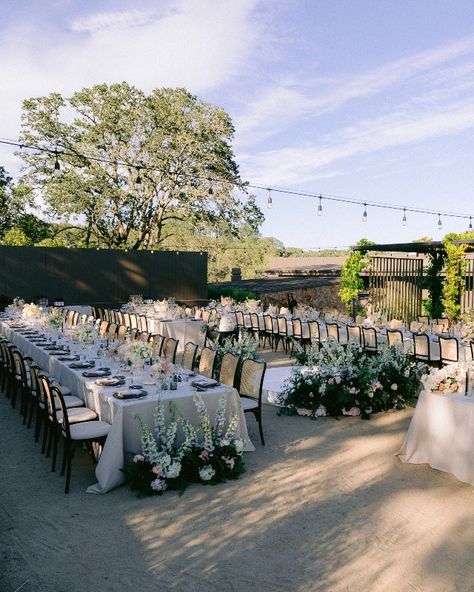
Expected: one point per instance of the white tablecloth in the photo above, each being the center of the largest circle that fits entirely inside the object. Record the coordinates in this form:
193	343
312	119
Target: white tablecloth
124	435
182	330
441	433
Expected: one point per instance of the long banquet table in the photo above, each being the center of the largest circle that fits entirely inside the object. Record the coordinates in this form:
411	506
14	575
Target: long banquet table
441	433
124	436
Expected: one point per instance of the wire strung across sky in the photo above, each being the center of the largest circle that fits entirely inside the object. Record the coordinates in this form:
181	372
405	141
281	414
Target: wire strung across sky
271	190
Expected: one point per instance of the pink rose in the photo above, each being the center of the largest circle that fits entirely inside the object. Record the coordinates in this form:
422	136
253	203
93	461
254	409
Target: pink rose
204	455
156	469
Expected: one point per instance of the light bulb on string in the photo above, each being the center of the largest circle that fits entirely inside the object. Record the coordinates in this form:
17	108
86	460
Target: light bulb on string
138	180
57	166
470	222
404	219
364	214
440	223
269	200
320	206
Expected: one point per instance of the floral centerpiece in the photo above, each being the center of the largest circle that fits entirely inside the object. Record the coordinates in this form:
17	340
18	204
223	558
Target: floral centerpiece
86	333
55	319
243	347
252	305
208	454
14	309
31	311
449	379
162	368
134	352
227	303
346	381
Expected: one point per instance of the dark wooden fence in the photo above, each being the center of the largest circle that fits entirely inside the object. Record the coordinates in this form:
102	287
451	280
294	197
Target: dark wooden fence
101	277
395	286
467	300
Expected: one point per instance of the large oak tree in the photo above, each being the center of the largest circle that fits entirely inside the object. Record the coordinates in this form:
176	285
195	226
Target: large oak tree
108	136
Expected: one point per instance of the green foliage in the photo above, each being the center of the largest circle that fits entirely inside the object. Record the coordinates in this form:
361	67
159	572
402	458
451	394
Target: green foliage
13	201
346	381
237	294
455	272
177	140
14	237
433	281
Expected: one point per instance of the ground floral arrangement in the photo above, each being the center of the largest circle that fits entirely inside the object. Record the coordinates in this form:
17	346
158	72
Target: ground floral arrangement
208	453
346	381
244	347
452	378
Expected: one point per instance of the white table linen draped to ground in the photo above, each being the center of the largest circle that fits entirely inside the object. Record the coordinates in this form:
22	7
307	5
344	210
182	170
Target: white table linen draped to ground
441	433
124	436
183	330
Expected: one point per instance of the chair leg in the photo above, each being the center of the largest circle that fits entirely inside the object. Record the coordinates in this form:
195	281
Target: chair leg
258	417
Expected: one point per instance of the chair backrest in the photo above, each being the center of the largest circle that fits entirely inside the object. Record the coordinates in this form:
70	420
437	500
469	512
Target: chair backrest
58	399
359	319
120	318
198	313
143	323
268	323
126	320
448	349
207	362
416	326
104	325
421	346
282	326
443	322
157	342
471	344
254	322
239	316
144	336
169	349
189	355
213	313
314	331
394	336
297	329
354	334
369	335
423	319
396	324
21	373
112	331
332	331
133	333
121	332
439	328
251	379
228	369
47	398
134	321
206	315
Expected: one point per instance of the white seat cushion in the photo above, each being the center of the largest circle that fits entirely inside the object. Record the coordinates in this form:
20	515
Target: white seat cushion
64	389
71	401
88	430
248	404
77	414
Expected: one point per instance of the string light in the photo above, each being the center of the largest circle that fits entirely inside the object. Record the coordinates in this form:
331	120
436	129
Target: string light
138	180
320	206
269	200
404	219
440	224
236	182
57	166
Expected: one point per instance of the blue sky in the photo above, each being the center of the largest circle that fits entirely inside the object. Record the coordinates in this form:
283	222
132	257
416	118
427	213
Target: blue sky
367	99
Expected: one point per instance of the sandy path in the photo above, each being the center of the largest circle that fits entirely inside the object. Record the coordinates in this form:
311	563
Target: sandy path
325	506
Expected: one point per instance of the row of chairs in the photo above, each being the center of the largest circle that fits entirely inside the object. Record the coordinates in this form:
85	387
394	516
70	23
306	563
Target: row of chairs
58	415
117	317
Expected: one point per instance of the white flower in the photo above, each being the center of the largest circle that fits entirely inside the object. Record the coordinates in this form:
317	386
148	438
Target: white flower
158	485
173	470
239	445
138	458
207	473
394	386
304	412
320	411
338	379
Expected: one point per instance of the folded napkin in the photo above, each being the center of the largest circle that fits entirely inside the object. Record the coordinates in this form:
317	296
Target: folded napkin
78	365
56	352
129	394
112	381
68	358
96	373
204	383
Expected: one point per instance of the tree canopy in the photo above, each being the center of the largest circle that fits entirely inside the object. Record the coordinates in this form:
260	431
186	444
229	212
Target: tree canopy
134	165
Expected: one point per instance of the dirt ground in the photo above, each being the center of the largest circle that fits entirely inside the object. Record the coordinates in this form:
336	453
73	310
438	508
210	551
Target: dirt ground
324	506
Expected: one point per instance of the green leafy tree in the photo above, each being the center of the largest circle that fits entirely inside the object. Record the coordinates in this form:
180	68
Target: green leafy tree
351	282
13	201
168	144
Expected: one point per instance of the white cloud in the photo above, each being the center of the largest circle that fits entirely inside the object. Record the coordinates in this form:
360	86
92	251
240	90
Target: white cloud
301	164
292	100
198	45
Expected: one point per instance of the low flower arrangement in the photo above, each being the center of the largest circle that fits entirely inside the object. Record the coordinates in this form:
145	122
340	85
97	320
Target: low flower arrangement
346	381
162	368
87	333
31	311
209	454
135	352
450	378
55	319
